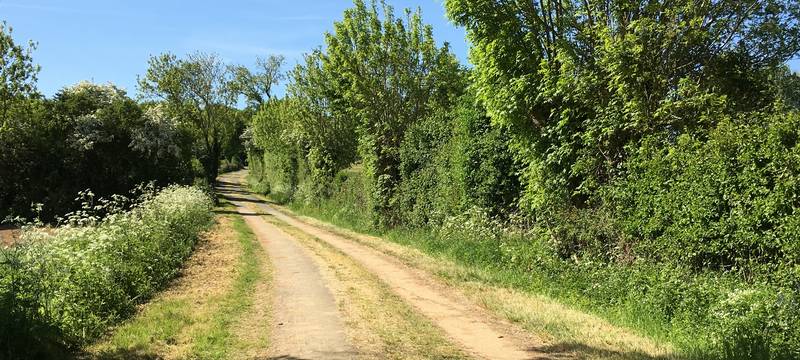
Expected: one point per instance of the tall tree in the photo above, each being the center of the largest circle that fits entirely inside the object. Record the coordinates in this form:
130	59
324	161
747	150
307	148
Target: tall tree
324	126
580	80
395	75
199	91
256	86
17	72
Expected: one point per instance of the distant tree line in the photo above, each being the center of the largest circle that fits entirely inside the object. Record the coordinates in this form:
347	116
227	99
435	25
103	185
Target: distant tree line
184	126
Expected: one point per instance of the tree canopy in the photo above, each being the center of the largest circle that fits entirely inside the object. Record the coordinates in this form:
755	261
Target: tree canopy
17	73
581	80
198	91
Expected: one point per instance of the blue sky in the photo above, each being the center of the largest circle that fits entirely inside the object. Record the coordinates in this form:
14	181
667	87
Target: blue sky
110	41
104	41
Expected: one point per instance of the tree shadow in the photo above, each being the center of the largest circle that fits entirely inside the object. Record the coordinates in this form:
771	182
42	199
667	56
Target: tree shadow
571	350
241	212
226	183
237	198
233	191
326	355
135	353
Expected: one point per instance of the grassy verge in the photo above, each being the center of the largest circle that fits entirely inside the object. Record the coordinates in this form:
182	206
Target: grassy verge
380	324
518	280
697	314
700	314
219	341
61	288
207	313
563	330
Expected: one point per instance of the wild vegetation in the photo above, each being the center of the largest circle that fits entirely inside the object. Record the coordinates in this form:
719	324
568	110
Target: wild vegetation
205	313
92	136
84	264
634	160
63	287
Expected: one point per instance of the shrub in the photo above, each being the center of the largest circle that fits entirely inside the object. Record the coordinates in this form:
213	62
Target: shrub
725	202
758	322
87	136
76	280
455	160
707	315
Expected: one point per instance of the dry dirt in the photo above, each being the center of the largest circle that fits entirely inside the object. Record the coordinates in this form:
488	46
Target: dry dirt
465	323
563	332
379	323
306	321
8	236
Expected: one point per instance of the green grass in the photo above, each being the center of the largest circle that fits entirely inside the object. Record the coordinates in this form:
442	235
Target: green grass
219	342
169	321
160	324
526	265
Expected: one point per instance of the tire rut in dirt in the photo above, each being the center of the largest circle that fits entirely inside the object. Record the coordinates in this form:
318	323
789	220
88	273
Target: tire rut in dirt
306	321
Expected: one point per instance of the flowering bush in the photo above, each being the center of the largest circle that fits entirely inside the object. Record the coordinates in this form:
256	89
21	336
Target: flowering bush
66	285
760	322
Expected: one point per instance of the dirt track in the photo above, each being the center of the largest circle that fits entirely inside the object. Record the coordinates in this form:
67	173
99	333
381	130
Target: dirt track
313	324
306	322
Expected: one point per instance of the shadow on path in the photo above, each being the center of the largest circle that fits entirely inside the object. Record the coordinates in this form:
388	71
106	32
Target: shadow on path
572	350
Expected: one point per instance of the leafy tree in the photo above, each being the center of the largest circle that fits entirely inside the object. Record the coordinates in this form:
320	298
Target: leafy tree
395	75
17	73
324	127
88	136
275	152
578	81
257	86
199	91
788	86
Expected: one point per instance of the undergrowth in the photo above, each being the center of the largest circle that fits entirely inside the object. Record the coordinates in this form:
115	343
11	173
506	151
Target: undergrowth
62	287
705	315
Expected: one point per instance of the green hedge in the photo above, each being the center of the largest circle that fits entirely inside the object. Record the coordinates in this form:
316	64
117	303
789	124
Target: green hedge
726	202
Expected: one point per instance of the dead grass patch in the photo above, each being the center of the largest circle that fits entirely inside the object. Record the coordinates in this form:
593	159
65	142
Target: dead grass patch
251	332
8	236
164	327
379	324
565	332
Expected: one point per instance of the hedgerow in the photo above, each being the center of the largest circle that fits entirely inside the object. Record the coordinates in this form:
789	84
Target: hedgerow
640	161
63	287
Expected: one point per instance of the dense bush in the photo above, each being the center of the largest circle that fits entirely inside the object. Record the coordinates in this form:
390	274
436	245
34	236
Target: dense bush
727	201
579	82
273	153
455	160
87	136
709	315
65	286
653	133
